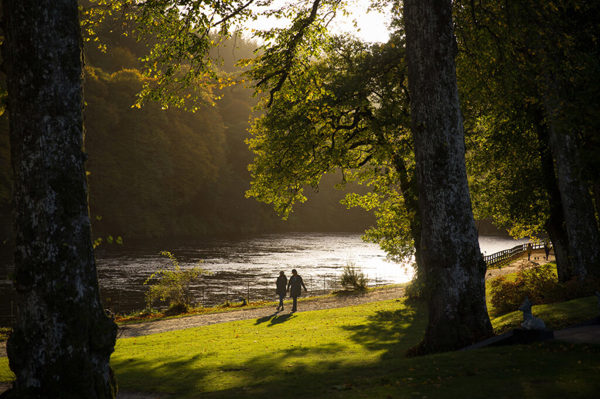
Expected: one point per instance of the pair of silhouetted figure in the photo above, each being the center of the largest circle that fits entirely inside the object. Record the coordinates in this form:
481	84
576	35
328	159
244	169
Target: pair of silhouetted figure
294	286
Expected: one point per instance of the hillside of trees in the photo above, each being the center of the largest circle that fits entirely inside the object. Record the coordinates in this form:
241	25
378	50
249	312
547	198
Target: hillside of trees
156	173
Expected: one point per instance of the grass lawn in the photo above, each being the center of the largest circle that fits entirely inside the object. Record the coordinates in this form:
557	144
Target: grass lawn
353	352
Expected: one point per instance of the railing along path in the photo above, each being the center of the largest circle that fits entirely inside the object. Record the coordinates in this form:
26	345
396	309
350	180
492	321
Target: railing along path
500	258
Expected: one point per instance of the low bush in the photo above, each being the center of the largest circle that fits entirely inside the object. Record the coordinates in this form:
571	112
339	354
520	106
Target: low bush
540	284
415	289
172	287
353	278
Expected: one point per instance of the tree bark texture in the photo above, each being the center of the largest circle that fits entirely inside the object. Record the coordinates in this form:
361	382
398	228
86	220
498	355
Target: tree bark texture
62	340
453	263
577	204
555	224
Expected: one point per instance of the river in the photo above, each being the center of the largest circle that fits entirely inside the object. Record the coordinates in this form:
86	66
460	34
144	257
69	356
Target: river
242	267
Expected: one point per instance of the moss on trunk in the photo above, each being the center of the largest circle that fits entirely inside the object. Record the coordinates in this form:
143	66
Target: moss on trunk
450	255
62	340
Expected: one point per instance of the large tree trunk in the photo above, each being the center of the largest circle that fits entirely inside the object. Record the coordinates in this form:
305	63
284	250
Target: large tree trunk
578	208
62	340
555	224
453	263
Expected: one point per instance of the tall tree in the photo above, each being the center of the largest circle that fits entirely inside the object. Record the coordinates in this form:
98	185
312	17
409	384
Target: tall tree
62	340
534	65
346	111
453	263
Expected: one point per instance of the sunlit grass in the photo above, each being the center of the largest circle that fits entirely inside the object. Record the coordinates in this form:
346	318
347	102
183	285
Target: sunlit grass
351	352
254	352
347	352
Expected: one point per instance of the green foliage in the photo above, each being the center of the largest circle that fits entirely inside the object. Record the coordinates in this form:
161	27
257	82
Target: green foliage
163	160
346	111
172	286
540	284
353	277
517	58
393	230
163	173
179	36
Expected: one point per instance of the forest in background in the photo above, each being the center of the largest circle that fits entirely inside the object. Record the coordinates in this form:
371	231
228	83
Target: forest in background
156	173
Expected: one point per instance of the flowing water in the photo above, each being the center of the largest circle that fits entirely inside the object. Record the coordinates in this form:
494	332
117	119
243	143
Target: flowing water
242	267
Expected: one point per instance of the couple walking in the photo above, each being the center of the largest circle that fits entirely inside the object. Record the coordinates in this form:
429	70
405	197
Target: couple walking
295	286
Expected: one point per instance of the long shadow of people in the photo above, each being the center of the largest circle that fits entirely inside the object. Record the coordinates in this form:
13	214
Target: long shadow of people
281	319
264	319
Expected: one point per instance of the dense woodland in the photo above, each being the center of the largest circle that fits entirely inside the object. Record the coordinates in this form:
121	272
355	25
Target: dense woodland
482	107
156	173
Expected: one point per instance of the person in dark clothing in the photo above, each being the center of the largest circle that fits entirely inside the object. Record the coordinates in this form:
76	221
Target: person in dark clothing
546	250
529	249
295	286
281	289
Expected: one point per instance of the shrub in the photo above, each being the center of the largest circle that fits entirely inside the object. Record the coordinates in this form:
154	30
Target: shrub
540	284
172	286
353	277
415	289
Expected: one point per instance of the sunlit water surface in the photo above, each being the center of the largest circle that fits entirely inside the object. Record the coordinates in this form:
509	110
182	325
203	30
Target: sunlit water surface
246	267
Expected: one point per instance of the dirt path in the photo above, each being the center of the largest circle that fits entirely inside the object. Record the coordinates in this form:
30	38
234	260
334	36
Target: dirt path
135	330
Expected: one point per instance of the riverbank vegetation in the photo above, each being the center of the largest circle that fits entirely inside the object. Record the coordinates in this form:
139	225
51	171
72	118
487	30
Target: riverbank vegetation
352	352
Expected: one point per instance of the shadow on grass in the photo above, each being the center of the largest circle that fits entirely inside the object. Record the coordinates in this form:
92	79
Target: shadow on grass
144	376
281	319
274	319
391	331
264	319
323	371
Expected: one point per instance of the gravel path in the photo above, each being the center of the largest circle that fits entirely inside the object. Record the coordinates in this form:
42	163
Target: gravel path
135	330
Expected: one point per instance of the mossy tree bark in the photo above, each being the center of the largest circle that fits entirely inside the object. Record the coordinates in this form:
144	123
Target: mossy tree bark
555	225
451	257
62	340
577	205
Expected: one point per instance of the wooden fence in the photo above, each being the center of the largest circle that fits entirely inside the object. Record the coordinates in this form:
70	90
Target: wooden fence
501	258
